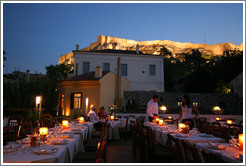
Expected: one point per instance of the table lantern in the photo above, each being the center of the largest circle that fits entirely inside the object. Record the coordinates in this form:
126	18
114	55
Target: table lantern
181	126
157	120
229	122
81	119
218	119
112	117
161	122
240	138
169	117
43	131
65	124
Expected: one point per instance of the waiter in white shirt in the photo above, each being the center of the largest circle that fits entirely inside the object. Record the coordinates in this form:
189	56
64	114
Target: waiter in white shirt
153	108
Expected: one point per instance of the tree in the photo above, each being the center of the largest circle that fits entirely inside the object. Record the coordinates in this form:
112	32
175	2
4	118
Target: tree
164	51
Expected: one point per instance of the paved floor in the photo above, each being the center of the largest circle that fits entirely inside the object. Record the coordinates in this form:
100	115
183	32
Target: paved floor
120	151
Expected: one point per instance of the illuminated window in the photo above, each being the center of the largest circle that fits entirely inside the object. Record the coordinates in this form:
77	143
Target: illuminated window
195	104
179	103
76	101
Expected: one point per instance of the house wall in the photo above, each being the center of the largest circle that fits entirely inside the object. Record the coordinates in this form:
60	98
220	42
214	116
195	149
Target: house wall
236	85
89	89
108	89
137	68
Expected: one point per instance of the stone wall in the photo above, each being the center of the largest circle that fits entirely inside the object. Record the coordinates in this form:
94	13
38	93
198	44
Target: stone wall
136	101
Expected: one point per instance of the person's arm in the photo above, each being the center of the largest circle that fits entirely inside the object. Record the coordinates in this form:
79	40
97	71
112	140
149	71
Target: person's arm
149	107
181	112
196	110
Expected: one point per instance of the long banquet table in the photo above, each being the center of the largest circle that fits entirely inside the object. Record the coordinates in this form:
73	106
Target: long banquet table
67	142
201	141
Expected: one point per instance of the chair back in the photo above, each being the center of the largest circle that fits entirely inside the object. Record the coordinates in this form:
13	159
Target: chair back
176	147
212	157
191	152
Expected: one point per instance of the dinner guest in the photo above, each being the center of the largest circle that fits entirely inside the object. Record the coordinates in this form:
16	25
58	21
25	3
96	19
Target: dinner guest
102	114
94	118
186	111
153	108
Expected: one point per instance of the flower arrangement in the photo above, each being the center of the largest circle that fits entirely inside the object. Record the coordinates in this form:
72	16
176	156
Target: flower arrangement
113	108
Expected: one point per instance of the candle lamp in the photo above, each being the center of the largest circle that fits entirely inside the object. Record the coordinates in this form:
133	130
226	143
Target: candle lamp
229	122
218	119
65	124
161	122
43	131
157	120
163	108
169	117
181	126
240	139
112	117
81	119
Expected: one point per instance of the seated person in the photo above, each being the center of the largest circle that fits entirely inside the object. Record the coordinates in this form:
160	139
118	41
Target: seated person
102	114
94	118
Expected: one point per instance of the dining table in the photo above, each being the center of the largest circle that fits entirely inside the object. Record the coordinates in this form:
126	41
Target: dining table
60	146
161	133
228	153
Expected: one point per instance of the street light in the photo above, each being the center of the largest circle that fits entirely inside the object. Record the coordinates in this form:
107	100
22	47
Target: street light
39	104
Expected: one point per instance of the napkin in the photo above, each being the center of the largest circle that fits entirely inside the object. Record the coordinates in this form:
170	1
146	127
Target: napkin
216	146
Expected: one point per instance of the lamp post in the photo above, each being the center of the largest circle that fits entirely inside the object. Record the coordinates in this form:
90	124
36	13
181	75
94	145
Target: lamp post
39	105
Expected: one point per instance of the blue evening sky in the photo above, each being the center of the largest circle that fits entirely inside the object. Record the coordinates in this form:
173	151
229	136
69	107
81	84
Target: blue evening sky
35	35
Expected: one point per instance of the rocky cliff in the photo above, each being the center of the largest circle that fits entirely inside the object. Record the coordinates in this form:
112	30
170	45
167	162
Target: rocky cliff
153	47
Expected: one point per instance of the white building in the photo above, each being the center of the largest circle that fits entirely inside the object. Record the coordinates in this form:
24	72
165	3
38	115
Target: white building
145	72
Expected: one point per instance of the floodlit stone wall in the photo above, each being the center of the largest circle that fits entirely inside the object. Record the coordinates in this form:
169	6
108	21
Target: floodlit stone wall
136	101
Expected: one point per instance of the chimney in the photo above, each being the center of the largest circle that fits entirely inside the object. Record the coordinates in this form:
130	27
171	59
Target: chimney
27	76
98	72
137	49
77	47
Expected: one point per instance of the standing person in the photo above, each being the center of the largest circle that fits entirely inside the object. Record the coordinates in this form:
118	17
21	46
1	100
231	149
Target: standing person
153	108
94	118
102	114
186	111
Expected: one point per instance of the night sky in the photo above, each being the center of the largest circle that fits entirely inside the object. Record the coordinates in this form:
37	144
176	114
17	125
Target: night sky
36	34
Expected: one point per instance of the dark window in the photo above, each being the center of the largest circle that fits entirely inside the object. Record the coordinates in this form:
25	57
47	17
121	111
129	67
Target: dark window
123	69
152	70
106	66
86	67
76	101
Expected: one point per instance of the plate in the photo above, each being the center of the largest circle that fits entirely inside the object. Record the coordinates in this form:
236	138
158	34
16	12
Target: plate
58	142
205	135
45	151
8	150
219	147
68	136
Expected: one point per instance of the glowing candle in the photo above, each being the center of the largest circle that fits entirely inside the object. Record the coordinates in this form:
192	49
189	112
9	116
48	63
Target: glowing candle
229	122
112	117
161	122
43	131
240	138
169	117
181	126
65	124
218	118
81	119
163	108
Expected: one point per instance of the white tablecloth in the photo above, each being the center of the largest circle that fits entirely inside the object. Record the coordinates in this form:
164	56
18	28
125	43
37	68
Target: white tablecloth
113	133
228	154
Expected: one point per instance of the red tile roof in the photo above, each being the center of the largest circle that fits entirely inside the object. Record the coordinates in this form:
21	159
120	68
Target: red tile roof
86	76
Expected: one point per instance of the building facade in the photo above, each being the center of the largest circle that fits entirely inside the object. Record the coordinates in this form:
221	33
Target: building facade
145	72
79	93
